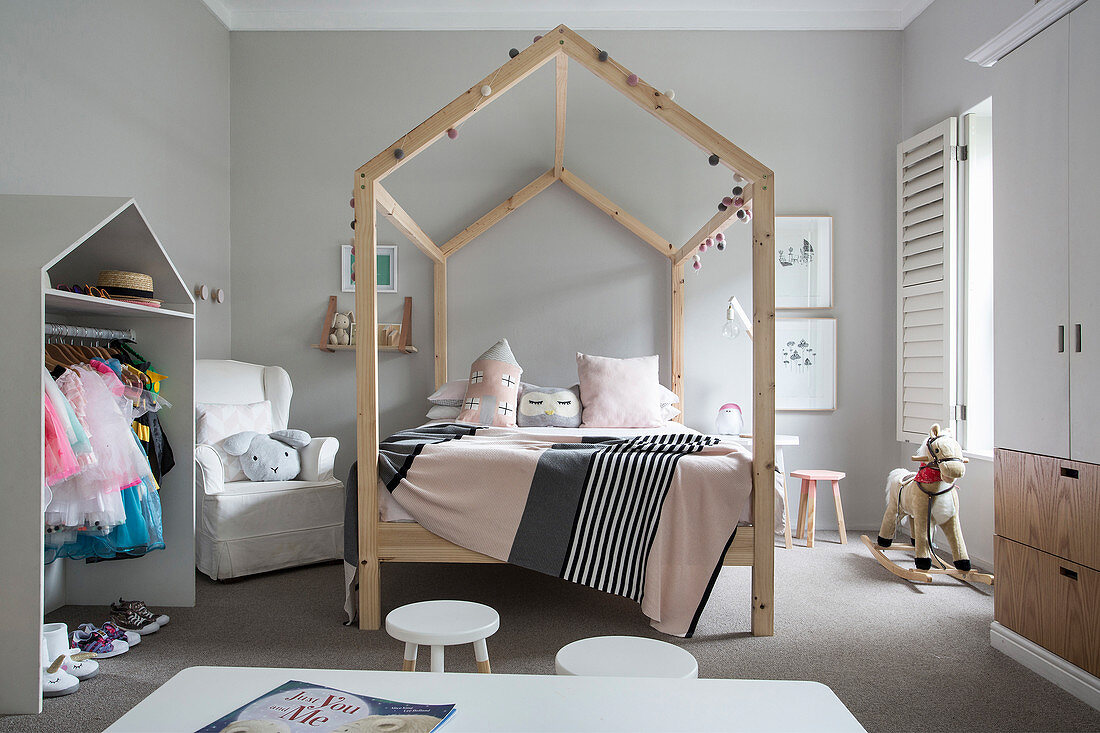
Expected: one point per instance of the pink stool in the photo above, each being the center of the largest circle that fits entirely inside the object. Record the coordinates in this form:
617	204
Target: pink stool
807	505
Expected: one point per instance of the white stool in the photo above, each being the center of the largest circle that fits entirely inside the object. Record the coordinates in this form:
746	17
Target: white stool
443	623
625	656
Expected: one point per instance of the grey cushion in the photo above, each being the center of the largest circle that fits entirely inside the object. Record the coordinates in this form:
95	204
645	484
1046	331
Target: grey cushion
558	407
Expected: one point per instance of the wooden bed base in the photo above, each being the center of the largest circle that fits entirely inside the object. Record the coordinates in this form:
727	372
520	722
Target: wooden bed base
406	542
409	542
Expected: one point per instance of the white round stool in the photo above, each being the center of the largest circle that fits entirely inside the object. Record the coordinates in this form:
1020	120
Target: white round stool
443	623
625	656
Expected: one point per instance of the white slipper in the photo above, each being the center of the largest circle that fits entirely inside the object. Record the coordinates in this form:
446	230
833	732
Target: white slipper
56	681
81	665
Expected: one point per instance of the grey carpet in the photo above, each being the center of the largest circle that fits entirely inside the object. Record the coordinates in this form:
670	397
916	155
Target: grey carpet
901	657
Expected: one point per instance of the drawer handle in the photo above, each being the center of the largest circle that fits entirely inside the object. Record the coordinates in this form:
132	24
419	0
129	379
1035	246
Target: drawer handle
1070	472
1071	574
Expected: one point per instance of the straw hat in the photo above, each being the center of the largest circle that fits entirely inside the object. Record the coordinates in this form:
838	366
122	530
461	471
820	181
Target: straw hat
132	287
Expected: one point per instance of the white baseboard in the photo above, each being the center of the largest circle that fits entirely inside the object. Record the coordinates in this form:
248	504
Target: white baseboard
1069	677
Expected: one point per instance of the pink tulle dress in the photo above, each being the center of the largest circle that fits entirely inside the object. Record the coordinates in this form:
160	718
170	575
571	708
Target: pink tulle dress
91	497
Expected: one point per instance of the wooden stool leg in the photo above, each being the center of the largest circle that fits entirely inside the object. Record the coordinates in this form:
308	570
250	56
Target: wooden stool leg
437	657
801	527
839	513
811	512
786	514
481	656
410	657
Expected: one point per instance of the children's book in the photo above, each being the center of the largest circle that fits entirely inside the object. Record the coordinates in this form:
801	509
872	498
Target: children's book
295	707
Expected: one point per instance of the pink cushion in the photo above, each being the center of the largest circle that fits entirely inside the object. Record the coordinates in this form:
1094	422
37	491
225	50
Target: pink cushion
621	393
493	390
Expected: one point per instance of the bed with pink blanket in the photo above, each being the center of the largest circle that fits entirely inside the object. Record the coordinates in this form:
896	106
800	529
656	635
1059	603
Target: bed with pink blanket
646	514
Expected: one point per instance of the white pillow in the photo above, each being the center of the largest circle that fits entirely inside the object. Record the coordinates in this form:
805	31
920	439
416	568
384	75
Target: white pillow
443	412
216	422
668	412
667	396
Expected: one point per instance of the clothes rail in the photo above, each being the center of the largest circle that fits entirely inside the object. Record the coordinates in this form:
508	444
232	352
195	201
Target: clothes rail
102	334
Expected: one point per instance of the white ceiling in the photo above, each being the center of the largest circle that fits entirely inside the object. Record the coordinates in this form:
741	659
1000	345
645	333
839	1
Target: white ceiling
262	15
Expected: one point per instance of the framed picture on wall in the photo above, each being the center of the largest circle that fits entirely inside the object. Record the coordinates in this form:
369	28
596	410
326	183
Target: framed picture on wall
805	363
387	268
347	268
804	262
386	255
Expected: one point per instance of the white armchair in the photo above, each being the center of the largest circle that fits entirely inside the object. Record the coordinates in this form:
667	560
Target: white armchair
246	527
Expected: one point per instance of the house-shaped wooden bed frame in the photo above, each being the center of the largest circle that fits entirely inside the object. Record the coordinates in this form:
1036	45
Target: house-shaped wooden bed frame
408	542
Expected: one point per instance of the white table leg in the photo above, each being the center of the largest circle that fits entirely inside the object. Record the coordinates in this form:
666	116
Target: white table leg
481	656
781	467
410	657
437	657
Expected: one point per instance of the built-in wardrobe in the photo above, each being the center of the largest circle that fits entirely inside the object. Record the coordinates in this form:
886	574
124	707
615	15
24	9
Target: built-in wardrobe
52	241
1046	137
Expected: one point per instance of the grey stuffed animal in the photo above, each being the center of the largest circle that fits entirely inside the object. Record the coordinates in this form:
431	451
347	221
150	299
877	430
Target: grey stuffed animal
272	457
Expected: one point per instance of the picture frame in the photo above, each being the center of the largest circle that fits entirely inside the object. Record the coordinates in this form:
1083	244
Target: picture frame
805	364
804	262
386	255
347	268
387	268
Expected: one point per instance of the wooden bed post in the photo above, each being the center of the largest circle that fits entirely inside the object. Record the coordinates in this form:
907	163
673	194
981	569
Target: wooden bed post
678	334
440	339
763	405
366	393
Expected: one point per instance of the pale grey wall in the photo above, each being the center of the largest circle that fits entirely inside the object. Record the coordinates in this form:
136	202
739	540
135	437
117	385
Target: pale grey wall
126	98
821	109
940	83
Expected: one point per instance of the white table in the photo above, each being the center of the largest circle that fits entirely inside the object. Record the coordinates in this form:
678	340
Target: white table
506	702
781	442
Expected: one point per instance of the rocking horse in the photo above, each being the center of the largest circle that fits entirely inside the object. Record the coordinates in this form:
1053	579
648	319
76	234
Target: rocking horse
927	498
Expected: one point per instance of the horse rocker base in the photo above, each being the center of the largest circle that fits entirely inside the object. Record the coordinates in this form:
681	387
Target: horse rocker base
915	575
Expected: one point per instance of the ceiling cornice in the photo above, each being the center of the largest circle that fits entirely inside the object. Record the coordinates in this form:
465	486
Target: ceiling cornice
529	18
1032	22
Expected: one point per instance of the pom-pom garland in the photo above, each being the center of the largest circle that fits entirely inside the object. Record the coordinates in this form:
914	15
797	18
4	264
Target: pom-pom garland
536	39
719	237
713	159
738	190
727	200
486	90
632	80
722	207
696	265
670	93
398	153
721	246
739	202
353	223
513	52
353	203
452	133
602	56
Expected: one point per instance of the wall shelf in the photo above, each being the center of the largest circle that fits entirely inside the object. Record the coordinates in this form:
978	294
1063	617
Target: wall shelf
344	347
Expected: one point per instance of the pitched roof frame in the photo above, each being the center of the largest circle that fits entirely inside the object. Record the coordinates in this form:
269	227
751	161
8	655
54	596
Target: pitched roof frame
562	44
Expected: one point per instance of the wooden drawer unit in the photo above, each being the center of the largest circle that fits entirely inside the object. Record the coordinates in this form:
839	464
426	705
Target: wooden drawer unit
1050	504
1051	601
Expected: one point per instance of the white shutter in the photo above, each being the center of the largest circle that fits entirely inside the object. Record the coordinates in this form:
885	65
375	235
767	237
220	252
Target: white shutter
926	283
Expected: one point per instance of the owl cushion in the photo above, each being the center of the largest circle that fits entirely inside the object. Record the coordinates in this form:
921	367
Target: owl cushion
493	390
555	407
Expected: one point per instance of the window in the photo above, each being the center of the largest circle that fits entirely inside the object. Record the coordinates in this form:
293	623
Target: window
975	429
945	281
